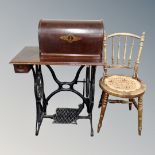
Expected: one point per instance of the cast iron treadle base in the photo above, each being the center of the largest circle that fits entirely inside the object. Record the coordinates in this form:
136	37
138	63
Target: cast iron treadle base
64	115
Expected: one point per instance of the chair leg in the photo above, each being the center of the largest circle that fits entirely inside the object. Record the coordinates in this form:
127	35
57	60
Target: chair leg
103	108
130	104
140	111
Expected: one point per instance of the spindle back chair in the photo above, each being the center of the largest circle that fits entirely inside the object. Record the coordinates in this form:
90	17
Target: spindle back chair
124	86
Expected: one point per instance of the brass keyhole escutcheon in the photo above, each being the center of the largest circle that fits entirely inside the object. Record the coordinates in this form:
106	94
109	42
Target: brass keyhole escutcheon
70	38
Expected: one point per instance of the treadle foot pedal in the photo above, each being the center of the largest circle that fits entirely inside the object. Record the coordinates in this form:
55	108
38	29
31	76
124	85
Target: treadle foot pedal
67	115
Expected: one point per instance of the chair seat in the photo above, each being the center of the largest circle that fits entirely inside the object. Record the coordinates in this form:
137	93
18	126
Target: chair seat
122	86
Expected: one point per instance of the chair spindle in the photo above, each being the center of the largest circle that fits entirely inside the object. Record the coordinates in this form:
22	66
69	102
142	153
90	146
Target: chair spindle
105	49
125	47
113	51
118	54
131	51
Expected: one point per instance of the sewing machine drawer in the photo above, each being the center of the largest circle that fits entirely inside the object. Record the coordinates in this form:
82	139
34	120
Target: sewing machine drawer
20	68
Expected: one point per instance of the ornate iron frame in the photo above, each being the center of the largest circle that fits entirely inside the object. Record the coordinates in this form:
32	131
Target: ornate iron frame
42	101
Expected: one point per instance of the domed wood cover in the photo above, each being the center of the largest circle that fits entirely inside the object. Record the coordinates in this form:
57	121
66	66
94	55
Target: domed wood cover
70	39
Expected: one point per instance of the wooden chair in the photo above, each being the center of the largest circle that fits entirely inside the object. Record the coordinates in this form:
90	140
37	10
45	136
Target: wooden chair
122	86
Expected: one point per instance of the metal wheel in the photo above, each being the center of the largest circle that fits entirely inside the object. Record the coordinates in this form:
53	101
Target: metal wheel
92	87
39	86
87	81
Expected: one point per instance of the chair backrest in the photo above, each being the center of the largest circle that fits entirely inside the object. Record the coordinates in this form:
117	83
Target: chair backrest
125	48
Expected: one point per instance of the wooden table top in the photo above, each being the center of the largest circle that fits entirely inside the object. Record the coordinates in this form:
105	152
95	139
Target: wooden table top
30	55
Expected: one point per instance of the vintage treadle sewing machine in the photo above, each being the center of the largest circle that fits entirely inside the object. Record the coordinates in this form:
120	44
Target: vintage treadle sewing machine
69	43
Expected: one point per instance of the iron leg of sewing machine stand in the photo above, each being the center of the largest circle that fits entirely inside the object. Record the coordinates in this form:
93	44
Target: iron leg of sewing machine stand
42	101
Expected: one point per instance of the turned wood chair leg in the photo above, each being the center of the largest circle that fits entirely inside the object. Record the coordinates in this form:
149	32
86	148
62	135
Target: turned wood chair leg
130	104
140	111
103	108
